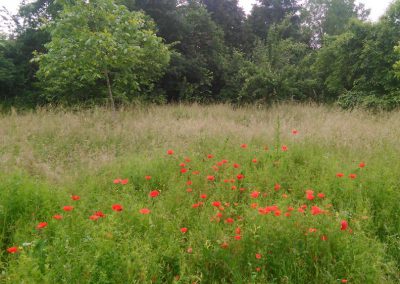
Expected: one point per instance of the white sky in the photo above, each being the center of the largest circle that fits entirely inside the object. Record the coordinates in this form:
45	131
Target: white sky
378	7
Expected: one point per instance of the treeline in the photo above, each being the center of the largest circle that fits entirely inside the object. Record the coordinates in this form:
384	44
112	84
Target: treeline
100	51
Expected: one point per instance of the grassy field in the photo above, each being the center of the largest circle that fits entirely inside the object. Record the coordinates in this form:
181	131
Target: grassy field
193	194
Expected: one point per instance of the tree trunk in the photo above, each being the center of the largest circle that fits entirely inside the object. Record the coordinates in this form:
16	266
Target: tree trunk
109	90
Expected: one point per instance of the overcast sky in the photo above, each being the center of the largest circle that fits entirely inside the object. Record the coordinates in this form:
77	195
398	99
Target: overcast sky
377	7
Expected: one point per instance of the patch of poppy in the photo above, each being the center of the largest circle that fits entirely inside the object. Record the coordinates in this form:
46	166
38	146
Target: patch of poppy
117	207
144	211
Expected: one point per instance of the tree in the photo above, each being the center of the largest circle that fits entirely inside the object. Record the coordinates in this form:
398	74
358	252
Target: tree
101	43
397	64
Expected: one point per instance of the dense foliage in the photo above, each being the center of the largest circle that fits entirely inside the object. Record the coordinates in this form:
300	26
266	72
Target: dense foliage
314	50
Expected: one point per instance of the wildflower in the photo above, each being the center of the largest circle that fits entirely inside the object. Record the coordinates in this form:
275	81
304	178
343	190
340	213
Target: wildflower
339	175
284	148
258	256
144	211
229	221
315	210
57	217
124	181
189	190
362	165
183	170
321	195
344	225
68	208
238	237
203	196
295	132
117	207
41	225
255	194
117	181
189	182
75	197
147	177
240	176
254	160
258	269
184	230
312	230
100	214
352	176
182	165
236	166
170	152
94	217
344	280
209	156
210	178
195	173
187	160
12	250
244	146
154	193
189	250
324	238
224	245
277	186
238	231
216	204
196	205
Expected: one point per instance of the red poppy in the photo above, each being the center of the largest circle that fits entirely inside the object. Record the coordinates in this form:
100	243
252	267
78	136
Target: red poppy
147	177
187	160
362	165
209	156
57	217
238	237
324	238
189	182
238	231
203	196
321	195
216	204
310	196
182	165
244	146
170	152
277	186
344	280
284	148
352	176
100	214
315	210
195	172
117	207
189	190
258	269
255	194
339	175
277	213
258	256
196	205
295	132
154	193
41	225
68	208
189	250
240	176
210	178
12	250
94	217
184	230
254	160
124	181
75	197
344	225
312	230
144	211
236	166
224	245
229	221
183	170
116	181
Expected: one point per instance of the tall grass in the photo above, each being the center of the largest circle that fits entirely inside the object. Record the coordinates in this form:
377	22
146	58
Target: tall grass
49	155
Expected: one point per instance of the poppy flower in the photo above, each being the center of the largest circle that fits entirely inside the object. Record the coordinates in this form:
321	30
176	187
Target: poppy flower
124	181
238	237
344	281
57	217
229	221
240	176
144	211
147	177
183	170
203	196
224	245
277	213
196	205
117	181
68	208
310	196
277	186
216	204
258	269
315	210
187	160
236	166
94	217
238	231
361	165
154	193
210	178
184	230
352	176
339	175
75	197
196	173
255	194
189	190
41	225
170	152
117	207
12	250
321	195
344	225
295	132
284	148
189	182
209	156
100	214
254	160
189	250
258	256
324	238
244	146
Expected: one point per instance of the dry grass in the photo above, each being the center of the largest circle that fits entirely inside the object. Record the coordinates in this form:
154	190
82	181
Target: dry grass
56	143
